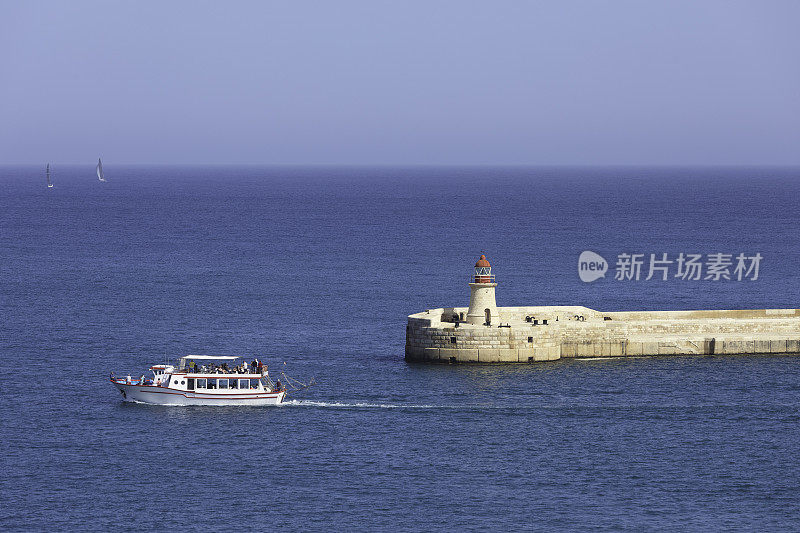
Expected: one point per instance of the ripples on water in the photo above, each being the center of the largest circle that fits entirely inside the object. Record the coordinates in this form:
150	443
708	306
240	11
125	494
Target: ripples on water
318	268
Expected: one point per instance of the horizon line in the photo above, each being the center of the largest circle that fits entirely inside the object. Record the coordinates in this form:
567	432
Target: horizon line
423	165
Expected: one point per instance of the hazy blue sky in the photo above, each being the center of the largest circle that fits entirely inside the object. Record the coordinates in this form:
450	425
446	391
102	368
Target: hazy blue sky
410	82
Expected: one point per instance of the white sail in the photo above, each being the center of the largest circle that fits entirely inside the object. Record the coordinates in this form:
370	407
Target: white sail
100	170
49	183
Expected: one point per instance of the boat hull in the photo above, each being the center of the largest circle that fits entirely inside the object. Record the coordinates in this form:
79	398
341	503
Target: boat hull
156	395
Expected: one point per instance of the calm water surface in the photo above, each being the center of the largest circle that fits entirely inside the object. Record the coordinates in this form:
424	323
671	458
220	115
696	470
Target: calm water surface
318	268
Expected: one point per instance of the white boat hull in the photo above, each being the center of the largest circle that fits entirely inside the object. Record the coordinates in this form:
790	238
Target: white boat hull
155	395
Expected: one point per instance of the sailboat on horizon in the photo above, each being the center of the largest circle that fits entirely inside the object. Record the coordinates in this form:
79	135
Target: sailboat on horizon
49	183
100	175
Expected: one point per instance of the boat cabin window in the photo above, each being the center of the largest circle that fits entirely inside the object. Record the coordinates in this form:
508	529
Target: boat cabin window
222	383
190	383
253	383
201	383
244	383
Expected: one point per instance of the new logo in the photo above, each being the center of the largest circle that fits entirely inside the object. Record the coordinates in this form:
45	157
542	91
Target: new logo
591	266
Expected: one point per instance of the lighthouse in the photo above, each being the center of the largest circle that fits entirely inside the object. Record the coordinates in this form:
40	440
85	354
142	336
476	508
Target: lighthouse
482	304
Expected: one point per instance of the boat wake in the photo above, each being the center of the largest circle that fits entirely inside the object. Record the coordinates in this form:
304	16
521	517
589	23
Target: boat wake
357	405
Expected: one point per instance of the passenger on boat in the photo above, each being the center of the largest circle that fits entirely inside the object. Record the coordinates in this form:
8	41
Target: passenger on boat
244	366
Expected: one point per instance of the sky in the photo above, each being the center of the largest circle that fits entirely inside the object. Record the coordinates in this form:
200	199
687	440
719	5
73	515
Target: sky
699	82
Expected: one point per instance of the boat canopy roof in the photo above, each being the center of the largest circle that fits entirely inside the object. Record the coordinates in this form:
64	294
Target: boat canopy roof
212	357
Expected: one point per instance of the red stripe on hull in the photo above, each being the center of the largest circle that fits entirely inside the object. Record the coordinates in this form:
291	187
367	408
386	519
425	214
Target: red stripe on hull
201	395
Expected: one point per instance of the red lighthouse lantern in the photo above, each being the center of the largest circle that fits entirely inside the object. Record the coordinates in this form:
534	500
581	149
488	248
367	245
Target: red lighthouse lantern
483	271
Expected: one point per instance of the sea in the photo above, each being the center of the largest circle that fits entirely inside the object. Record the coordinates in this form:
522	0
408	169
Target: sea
314	270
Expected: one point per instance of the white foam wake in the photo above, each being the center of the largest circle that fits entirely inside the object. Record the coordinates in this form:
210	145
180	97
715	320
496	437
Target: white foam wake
356	405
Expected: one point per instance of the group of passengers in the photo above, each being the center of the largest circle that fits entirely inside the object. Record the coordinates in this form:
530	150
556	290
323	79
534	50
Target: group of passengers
256	367
141	381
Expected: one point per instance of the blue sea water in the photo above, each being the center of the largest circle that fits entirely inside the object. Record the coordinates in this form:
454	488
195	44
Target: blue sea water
318	268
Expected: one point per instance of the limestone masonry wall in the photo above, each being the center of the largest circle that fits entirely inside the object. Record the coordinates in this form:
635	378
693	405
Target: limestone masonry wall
546	333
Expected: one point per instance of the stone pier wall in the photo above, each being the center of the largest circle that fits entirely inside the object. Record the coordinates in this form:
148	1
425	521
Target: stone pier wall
530	334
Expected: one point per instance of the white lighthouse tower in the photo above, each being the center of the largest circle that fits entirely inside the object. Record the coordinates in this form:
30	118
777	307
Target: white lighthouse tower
482	304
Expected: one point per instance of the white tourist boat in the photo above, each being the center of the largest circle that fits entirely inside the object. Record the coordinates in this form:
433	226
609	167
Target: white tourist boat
203	380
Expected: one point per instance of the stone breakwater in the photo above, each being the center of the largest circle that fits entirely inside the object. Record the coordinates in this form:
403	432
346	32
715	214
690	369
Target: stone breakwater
529	334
